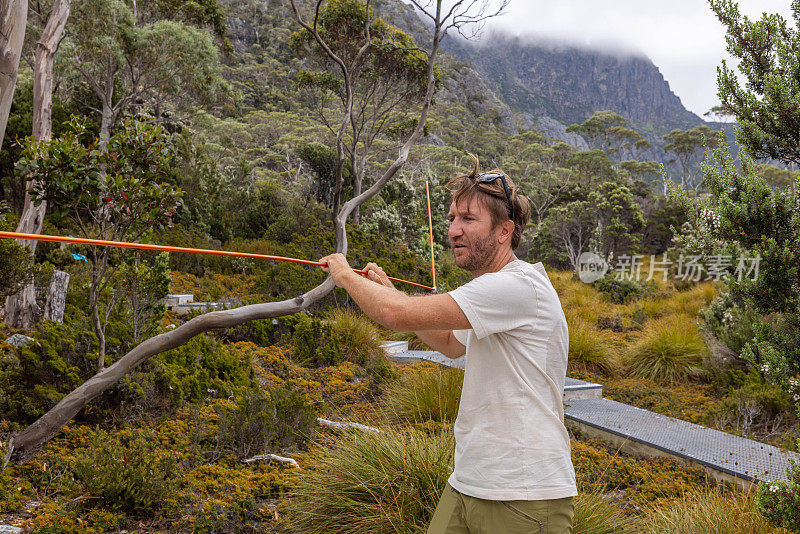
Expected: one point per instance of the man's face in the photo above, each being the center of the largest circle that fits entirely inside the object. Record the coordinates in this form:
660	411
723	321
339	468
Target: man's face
472	237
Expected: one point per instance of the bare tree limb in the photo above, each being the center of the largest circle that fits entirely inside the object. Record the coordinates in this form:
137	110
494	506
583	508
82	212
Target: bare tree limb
282	459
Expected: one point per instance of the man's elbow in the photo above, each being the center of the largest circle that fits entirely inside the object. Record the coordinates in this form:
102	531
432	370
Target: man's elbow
392	318
396	317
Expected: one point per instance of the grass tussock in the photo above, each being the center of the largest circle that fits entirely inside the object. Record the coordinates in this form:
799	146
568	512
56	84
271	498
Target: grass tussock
715	510
590	348
595	514
377	483
669	350
359	338
429	393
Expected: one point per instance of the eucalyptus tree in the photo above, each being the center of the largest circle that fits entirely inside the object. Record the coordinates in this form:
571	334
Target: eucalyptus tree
159	58
609	132
689	147
21	307
383	78
456	15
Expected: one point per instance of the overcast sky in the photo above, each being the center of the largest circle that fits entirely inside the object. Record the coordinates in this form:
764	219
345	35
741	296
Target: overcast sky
682	37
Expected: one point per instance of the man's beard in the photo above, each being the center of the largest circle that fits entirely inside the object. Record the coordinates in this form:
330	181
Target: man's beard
481	251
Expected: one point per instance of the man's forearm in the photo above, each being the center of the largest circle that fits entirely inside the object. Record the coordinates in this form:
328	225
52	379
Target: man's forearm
375	300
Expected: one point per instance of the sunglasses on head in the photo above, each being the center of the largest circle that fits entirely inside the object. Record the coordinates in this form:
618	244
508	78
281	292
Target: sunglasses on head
489	177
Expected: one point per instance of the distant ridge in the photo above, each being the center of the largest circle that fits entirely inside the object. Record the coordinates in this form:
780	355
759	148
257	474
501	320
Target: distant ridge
569	83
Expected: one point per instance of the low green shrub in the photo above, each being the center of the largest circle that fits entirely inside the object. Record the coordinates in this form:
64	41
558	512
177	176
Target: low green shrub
432	394
731	324
775	348
33	378
126	470
688	401
14	492
753	406
203	367
342	336
620	291
641	481
16	266
54	517
779	501
315	344
261	421
365	482
670	350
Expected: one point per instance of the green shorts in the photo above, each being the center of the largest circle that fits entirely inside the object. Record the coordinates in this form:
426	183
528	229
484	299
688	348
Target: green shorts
461	514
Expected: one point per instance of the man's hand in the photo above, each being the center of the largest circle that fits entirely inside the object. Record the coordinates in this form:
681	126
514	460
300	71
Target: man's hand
336	265
373	272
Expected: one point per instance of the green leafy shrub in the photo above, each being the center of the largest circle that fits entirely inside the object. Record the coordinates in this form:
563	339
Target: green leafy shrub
620	291
360	341
265	420
775	348
33	378
779	501
643	481
16	265
314	343
126	470
670	350
755	405
56	518
342	336
365	482
13	491
688	401
431	394
203	367
730	323
262	332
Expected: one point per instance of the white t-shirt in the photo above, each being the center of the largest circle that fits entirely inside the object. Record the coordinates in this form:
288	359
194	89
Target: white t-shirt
511	443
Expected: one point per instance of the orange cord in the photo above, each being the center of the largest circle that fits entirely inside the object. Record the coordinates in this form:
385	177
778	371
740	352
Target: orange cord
165	248
430	231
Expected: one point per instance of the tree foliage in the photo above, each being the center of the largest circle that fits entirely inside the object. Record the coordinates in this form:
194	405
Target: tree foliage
116	193
689	148
379	75
767	105
123	59
608	131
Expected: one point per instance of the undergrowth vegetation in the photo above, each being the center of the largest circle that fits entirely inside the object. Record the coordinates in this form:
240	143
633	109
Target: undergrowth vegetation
167	445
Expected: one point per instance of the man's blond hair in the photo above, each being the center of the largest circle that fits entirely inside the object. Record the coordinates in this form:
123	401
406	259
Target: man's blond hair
492	195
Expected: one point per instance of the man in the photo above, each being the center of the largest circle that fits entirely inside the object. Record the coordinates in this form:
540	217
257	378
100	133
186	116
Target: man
513	472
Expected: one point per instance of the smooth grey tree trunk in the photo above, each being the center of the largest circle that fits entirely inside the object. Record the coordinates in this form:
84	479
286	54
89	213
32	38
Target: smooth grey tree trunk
13	18
21	309
57	297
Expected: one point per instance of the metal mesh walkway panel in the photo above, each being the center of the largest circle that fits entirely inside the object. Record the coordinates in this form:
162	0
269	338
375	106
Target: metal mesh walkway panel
737	456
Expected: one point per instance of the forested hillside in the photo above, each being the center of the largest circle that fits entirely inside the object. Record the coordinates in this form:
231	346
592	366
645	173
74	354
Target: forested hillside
229	125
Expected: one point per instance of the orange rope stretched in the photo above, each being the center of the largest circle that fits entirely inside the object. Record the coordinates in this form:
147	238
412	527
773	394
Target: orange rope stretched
166	248
430	232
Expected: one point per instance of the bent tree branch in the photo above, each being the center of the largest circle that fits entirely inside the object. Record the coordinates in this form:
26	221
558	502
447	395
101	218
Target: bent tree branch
25	444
